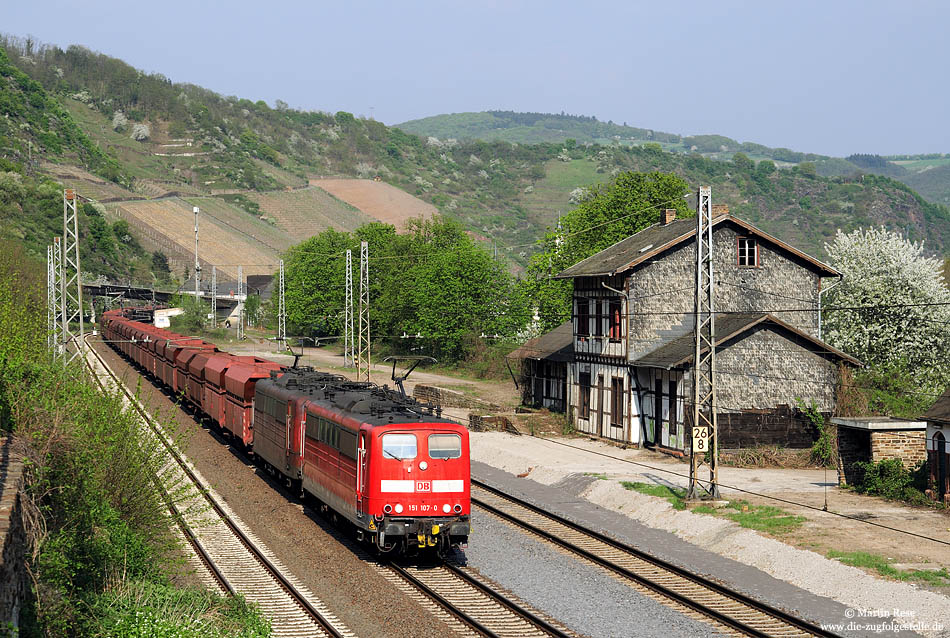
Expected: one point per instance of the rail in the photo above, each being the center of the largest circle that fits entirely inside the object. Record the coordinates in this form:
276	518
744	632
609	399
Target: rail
718	601
327	625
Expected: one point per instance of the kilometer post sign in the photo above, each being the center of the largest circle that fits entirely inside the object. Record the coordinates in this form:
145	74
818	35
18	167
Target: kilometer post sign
700	439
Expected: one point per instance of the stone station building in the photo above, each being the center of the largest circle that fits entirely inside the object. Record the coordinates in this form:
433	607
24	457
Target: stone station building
629	375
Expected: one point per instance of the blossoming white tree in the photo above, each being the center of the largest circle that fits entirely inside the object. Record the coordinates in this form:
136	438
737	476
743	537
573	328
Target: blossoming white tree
887	310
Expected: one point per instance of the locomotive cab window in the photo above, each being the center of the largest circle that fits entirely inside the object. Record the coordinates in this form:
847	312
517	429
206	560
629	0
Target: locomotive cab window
399	446
747	252
445	446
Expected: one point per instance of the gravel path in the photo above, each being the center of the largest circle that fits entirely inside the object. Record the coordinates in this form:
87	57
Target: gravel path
581	596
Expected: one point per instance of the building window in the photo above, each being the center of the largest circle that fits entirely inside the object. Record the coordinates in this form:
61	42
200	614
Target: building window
583	317
616	402
583	408
674	422
747	252
598	318
616	320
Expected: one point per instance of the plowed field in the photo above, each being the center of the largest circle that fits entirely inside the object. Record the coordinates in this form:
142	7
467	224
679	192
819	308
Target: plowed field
378	200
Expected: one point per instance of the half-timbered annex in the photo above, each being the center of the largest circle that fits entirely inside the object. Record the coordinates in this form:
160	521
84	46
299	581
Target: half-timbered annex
544	362
629	375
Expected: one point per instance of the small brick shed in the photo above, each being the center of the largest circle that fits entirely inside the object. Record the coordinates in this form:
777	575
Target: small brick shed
877	438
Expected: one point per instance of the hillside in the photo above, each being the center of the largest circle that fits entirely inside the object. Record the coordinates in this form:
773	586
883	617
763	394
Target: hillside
929	175
535	128
35	127
794	204
196	143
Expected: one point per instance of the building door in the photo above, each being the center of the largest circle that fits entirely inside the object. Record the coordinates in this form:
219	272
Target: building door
676	435
538	398
941	445
600	405
660	426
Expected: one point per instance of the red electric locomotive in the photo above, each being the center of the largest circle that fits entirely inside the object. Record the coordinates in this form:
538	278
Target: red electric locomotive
390	466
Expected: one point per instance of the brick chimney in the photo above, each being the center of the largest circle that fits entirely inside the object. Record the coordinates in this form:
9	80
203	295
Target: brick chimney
720	209
667	216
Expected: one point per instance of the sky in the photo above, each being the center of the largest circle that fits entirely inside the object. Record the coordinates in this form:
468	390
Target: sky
833	76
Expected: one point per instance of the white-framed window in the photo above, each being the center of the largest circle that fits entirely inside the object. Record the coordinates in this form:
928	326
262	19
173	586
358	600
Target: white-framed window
747	252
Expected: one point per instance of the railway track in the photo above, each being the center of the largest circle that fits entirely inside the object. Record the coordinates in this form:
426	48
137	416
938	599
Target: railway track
234	560
469	605
716	603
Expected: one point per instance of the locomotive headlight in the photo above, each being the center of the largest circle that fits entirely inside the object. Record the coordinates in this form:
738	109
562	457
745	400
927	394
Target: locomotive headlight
458	509
423	465
387	508
398	508
446	508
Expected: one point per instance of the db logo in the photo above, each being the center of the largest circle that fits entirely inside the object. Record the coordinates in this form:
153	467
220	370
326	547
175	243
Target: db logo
423	486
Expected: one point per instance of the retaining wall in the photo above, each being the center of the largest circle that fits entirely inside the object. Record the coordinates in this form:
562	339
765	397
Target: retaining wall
13	578
450	398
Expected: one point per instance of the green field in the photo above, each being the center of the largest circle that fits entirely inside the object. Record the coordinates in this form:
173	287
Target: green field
919	165
551	194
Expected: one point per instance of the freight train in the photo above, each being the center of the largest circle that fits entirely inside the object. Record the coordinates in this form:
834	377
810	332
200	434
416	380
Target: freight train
392	467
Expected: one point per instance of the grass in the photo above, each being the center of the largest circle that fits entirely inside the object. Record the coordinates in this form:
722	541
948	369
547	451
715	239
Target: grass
917	165
675	495
597	475
881	565
551	194
762	518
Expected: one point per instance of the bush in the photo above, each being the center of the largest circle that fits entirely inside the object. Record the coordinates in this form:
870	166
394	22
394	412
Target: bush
889	478
95	515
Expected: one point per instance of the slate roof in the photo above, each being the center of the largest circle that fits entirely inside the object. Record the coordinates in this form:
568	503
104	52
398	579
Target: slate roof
940	412
557	345
649	242
680	351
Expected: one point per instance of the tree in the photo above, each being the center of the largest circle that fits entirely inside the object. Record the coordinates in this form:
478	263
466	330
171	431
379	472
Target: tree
764	168
434	280
808	169
896	325
611	212
194	316
253	310
160	266
743	163
314	283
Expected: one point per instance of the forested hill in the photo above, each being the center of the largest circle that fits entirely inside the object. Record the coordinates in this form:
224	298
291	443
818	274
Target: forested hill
927	174
35	127
150	135
534	128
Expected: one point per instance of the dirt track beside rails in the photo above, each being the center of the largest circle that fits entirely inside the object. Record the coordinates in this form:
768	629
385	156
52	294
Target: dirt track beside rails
365	602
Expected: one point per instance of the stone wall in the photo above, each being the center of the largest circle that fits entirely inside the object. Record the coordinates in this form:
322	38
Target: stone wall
783	426
12	537
766	369
491	423
664	285
908	446
856	445
450	398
